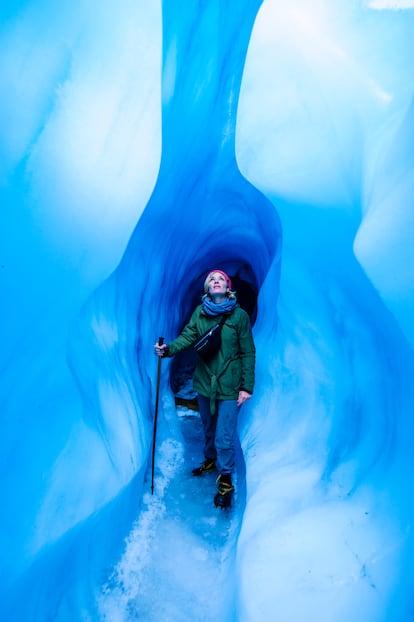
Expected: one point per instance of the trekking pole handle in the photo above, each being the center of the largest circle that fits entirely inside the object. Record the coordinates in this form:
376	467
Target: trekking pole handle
160	341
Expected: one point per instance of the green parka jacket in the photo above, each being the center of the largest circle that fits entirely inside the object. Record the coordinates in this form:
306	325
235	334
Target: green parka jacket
232	368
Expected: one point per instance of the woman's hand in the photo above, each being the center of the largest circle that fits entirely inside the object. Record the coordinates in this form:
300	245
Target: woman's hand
160	351
243	397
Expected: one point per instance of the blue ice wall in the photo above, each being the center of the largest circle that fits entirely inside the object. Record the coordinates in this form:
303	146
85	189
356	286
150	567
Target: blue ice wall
60	238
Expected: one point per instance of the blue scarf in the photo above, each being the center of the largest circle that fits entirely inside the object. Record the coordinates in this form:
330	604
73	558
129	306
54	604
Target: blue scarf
217	308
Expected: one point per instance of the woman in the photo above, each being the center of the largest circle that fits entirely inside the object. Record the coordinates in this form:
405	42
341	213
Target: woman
223	382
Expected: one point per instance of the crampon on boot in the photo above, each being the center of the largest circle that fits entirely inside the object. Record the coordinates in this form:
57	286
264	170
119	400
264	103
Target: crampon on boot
225	488
205	467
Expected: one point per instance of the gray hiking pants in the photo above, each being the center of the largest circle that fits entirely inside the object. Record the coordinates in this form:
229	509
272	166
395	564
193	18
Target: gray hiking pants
219	431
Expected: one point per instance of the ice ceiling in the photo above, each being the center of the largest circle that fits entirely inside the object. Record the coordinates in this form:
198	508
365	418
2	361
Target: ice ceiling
141	145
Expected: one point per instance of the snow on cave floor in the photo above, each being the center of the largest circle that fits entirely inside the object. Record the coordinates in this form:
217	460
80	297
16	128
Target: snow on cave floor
178	561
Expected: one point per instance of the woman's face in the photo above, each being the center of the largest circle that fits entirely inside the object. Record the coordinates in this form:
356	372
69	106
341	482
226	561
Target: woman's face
217	285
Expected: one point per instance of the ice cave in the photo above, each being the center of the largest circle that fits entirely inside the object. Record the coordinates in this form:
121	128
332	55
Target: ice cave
144	143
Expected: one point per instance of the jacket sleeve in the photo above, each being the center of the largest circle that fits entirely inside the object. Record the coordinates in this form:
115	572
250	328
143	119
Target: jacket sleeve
187	337
247	353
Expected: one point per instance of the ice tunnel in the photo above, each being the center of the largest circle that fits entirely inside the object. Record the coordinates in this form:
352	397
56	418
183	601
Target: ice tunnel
143	144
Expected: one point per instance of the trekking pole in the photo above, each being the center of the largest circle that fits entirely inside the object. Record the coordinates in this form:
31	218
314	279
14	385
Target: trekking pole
154	435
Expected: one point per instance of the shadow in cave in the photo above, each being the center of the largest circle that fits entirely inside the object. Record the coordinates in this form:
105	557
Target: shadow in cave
183	364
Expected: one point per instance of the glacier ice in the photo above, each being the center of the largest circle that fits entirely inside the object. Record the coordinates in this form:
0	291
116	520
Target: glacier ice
142	145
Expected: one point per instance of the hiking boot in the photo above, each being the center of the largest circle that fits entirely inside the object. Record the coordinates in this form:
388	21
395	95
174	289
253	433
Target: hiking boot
207	466
224	483
225	489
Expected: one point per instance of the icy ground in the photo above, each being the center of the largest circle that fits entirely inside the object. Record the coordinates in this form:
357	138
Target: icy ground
180	552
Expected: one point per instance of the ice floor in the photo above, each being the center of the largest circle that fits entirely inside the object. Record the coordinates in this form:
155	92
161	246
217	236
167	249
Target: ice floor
178	556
